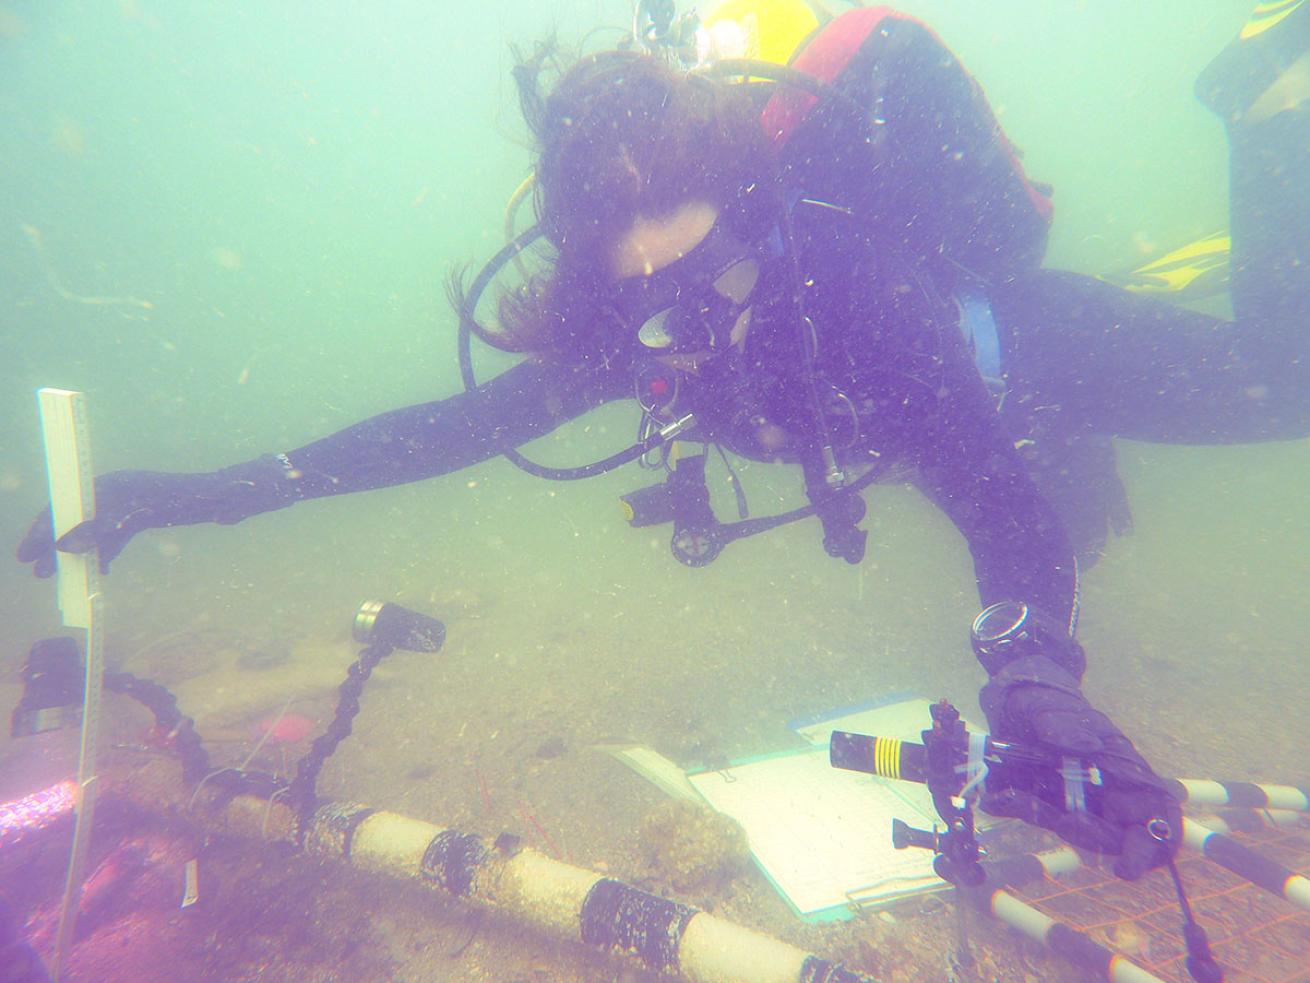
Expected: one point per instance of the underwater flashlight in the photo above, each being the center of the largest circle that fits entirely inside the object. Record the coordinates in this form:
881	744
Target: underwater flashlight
651	506
53	681
383	623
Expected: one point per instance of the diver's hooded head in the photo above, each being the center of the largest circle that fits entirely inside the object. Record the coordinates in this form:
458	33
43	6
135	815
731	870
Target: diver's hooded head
623	135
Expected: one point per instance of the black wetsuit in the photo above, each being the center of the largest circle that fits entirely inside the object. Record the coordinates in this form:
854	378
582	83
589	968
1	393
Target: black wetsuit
895	212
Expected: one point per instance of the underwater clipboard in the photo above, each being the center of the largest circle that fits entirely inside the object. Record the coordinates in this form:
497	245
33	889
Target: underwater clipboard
821	836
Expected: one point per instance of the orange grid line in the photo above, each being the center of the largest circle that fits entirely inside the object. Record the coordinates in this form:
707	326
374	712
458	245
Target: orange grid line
1049	890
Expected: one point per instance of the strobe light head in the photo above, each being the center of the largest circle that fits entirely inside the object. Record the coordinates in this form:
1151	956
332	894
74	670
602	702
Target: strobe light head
384	623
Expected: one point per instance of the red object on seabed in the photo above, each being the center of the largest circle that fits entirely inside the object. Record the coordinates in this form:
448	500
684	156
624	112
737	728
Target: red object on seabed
289	728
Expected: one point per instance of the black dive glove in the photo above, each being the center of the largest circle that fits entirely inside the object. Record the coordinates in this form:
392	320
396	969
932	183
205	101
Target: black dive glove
130	501
1033	698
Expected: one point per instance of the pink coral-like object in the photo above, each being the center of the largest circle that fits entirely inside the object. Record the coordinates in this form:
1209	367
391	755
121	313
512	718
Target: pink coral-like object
33	813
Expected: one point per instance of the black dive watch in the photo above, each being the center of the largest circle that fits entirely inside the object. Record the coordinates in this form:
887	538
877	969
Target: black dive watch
1010	630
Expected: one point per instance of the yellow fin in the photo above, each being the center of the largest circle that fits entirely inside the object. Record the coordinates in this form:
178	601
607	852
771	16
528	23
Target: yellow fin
1266	15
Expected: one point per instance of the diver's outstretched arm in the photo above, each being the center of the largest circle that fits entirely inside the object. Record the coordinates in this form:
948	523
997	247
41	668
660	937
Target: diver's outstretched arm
970	467
409	444
417	442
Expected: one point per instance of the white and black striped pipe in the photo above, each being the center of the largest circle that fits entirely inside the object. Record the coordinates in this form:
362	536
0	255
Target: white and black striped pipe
1247	863
1252	820
1011	871
664	935
563	900
1247	795
1065	941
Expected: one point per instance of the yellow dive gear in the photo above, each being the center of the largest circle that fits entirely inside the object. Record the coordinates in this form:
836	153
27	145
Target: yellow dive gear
1191	272
1266	15
761	30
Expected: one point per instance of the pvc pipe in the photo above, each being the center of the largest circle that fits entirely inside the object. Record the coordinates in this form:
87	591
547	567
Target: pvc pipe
1249	820
552	897
1245	862
1032	866
1064	940
573	903
1251	795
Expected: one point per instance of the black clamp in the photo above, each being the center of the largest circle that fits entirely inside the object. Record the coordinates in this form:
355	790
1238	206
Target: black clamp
958	854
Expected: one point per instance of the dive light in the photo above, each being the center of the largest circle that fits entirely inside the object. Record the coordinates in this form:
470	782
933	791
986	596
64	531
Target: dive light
383	623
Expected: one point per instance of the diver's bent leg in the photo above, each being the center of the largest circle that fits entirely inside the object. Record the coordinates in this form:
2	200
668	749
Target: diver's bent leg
1270	206
1259	85
1107	361
1257	74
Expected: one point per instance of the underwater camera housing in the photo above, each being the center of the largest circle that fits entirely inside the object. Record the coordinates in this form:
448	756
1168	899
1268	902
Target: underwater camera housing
53	681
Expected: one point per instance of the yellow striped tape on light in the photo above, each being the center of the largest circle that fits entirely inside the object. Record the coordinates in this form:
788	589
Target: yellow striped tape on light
887	757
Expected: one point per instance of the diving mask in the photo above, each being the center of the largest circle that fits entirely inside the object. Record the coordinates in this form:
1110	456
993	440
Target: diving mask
695	303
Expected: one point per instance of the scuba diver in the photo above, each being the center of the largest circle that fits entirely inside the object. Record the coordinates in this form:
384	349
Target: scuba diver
840	268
